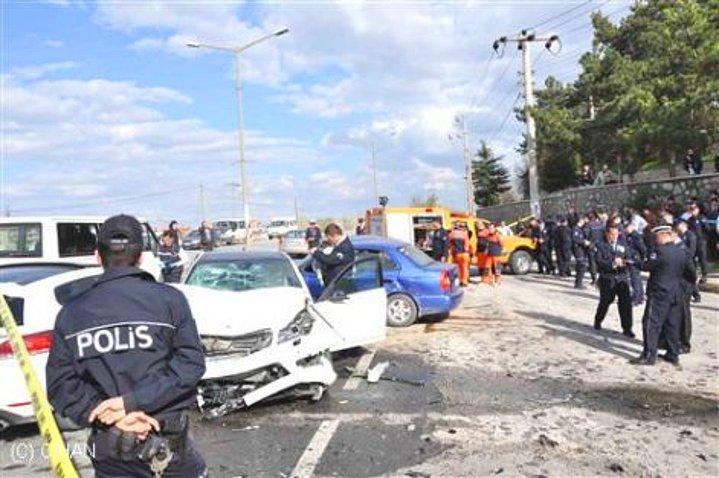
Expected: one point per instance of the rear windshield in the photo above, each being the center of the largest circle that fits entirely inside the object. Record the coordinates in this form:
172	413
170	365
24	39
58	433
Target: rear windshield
27	274
20	240
296	234
244	274
416	255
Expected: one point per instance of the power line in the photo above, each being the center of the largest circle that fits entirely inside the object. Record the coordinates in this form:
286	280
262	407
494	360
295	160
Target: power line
506	118
559	15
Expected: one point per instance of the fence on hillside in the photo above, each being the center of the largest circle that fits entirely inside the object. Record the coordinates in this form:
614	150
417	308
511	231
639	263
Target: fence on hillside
611	196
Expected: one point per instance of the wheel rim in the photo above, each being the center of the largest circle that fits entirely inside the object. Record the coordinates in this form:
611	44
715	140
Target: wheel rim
399	310
522	263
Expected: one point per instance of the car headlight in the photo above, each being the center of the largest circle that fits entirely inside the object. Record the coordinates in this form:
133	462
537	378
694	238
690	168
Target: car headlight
301	325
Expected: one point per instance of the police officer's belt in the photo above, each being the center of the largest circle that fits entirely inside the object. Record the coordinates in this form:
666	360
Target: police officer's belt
127	447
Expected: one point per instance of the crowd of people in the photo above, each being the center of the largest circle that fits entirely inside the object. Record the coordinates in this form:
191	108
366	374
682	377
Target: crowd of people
668	239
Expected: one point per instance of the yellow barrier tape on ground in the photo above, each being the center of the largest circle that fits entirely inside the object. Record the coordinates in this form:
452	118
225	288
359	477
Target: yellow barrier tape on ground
59	458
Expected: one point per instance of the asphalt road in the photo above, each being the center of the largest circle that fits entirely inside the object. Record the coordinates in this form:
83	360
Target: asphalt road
517	384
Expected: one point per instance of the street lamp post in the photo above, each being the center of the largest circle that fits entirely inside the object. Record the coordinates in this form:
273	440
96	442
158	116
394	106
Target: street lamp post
237	51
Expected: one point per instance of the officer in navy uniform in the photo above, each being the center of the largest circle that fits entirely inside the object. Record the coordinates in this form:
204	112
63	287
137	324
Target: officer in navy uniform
537	234
613	256
580	248
338	254
595	233
635	241
668	265
125	361
689	239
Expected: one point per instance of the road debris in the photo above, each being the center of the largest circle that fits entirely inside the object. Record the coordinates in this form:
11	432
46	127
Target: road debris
544	440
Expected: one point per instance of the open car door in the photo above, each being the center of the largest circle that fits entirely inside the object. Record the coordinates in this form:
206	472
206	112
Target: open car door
355	305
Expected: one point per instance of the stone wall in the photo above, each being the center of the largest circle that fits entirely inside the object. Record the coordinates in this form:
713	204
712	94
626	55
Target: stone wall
613	196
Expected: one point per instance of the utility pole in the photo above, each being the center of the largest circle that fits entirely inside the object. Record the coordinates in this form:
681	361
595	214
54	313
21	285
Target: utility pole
467	167
524	41
374	174
202	203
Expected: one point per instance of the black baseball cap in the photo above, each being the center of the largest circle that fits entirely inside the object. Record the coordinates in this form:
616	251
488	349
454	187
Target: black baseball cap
120	232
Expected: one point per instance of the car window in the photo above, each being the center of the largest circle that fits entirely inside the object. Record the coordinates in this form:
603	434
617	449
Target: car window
76	239
245	274
29	273
416	255
21	240
65	292
388	264
364	274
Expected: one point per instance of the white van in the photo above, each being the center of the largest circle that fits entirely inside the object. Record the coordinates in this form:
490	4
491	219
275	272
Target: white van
280	226
233	231
59	240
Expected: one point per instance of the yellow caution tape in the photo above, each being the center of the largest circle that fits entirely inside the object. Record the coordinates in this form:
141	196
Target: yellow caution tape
520	220
60	460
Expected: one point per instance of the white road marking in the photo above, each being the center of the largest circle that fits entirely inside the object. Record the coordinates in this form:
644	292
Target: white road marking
309	460
361	369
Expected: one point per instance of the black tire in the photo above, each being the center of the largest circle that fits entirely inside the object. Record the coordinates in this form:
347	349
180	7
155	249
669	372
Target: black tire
520	262
401	310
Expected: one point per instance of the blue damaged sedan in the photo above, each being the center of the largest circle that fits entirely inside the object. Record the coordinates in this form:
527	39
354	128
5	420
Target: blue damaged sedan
417	286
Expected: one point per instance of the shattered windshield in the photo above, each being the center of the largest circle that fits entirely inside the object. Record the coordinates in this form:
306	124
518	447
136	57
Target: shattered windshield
242	275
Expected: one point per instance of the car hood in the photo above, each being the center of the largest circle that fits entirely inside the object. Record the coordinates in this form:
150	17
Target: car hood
228	313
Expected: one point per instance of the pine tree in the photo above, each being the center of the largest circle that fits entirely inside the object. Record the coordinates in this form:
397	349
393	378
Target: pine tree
489	177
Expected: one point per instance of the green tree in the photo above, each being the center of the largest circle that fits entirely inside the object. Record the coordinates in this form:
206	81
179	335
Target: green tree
489	177
431	201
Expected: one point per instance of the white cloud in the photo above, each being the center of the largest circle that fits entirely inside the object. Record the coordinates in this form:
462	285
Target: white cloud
38	71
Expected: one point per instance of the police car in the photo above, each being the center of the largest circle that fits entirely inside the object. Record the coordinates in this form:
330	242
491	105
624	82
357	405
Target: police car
35	293
264	335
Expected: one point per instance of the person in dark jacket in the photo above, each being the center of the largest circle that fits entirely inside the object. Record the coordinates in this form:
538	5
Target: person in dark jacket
125	361
360	229
338	254
636	243
440	242
313	235
538	236
697	224
613	256
174	228
689	239
595	233
563	246
668	265
206	239
171	256
580	248
550	243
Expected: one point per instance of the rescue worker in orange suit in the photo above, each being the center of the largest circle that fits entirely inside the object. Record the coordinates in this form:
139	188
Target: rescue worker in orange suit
492	265
459	248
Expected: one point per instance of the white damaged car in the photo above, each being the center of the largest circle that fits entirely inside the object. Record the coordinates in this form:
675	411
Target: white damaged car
262	333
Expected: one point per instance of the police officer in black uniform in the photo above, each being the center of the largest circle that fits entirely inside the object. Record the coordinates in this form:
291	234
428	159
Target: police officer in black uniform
550	242
563	246
668	266
580	248
613	255
125	361
339	253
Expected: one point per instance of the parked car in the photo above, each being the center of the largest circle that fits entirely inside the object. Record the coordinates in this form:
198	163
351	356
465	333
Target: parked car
70	239
294	244
416	285
231	231
265	335
35	293
191	241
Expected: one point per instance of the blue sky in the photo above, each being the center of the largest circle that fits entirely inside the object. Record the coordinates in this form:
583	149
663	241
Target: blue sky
105	110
